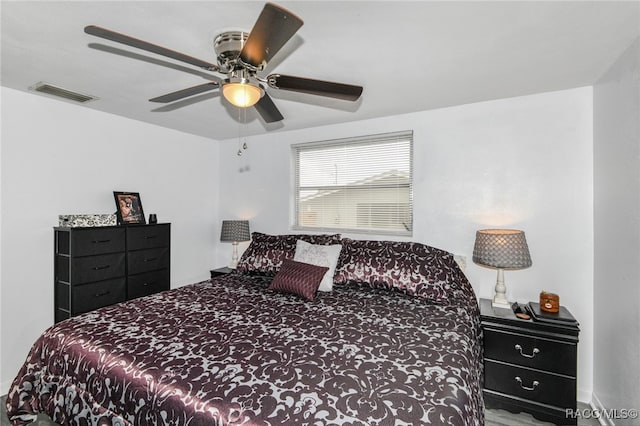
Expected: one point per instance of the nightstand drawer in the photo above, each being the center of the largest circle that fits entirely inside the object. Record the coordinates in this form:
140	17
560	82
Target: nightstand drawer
148	283
96	295
533	385
530	351
149	236
147	260
91	241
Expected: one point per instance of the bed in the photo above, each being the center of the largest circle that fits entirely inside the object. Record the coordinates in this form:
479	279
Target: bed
396	340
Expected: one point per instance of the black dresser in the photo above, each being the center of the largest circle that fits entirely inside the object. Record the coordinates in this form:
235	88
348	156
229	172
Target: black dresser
529	366
100	266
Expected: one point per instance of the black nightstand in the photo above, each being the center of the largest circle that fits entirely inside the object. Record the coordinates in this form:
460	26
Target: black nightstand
220	271
529	365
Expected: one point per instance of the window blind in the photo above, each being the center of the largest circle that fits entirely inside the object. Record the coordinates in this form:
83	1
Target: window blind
361	184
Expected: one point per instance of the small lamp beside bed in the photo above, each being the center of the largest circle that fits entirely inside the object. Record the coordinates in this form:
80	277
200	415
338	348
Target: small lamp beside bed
501	249
235	231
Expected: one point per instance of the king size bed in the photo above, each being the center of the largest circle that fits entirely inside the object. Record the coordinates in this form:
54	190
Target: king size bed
396	340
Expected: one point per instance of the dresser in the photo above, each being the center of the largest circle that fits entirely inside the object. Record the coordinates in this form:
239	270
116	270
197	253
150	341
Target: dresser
529	366
100	266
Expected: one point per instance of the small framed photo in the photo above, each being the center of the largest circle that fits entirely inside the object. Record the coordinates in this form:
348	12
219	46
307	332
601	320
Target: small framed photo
128	208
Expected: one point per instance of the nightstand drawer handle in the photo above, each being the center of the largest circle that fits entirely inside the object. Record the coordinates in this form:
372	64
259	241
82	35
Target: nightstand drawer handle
150	259
150	237
100	241
533	387
535	351
104	293
148	284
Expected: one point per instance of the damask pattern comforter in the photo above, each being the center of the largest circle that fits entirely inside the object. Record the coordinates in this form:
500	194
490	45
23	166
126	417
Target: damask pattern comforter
230	352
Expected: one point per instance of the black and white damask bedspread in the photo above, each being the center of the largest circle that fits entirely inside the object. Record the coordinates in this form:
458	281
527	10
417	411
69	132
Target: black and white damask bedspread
229	351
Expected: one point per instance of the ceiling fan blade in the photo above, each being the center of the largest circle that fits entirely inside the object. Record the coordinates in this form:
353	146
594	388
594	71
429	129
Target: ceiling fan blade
149	47
185	93
274	27
329	89
268	110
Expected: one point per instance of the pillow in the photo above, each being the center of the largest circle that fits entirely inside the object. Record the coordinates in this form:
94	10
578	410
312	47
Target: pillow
265	253
321	256
412	268
298	278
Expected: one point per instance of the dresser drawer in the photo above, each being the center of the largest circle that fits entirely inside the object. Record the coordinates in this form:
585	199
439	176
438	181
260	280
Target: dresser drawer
533	385
79	270
148	283
92	296
91	241
150	236
147	260
530	351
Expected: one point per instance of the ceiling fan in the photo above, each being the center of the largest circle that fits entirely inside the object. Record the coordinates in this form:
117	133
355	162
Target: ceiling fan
241	57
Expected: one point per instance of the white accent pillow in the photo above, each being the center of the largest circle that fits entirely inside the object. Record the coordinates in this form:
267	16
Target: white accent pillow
319	255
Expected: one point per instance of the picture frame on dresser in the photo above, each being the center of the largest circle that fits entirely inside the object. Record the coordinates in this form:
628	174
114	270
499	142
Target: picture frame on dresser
129	208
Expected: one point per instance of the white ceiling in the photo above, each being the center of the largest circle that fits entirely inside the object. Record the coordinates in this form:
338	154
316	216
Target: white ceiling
409	56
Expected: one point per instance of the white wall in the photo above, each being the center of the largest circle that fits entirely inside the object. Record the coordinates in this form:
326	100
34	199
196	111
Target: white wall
59	158
617	234
523	162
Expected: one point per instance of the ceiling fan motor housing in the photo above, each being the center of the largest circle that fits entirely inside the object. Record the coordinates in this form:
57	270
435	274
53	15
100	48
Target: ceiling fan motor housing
228	46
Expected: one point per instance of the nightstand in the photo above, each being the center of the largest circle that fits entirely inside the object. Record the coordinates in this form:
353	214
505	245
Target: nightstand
220	271
529	365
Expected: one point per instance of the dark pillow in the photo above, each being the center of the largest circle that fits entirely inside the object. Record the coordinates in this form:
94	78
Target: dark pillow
412	268
298	278
265	253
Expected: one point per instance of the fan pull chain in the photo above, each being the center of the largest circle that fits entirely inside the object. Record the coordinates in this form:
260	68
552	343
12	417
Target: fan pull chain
242	118
239	131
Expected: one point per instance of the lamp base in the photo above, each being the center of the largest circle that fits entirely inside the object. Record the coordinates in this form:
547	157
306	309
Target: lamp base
234	257
504	304
500	298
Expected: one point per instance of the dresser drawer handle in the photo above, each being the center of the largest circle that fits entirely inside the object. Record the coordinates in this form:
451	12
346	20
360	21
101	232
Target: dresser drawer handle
104	293
100	241
149	237
150	259
148	284
98	268
533	385
535	351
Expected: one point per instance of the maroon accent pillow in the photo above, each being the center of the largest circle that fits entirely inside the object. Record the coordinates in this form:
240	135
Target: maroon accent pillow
412	268
298	278
265	253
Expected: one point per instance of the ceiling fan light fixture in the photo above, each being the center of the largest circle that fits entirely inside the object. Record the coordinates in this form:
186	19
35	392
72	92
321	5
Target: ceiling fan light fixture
243	93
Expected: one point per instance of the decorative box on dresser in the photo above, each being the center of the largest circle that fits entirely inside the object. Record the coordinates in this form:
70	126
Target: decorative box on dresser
529	365
100	266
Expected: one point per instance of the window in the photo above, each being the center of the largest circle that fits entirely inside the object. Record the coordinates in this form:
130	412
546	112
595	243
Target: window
359	184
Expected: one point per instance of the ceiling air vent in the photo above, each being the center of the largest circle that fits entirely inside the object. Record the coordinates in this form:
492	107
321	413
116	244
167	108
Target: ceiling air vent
59	92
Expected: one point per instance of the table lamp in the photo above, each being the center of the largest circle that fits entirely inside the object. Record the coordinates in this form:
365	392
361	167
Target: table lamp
501	249
234	231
